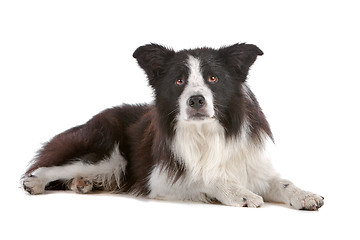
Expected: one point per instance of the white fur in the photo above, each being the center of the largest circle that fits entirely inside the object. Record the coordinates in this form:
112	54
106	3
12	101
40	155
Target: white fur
195	86
106	172
213	162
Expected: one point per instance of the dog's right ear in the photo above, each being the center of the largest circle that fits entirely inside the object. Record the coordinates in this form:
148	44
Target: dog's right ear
152	58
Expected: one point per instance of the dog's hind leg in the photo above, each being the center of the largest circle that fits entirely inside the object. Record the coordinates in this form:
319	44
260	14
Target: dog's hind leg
81	176
77	151
95	150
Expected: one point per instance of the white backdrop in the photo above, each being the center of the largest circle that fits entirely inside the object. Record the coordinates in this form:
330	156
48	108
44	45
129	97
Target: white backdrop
62	62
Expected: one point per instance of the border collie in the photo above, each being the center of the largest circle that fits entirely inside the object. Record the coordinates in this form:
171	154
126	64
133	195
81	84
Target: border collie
203	139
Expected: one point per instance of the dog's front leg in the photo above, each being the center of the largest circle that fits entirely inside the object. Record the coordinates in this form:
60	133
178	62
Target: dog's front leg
233	195
284	191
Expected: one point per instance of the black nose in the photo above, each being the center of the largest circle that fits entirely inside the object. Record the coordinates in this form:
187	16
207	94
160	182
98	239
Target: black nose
196	102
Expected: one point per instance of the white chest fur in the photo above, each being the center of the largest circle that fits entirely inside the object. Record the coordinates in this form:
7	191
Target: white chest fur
209	158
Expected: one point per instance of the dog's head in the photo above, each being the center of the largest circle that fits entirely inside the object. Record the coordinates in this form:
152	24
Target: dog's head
197	85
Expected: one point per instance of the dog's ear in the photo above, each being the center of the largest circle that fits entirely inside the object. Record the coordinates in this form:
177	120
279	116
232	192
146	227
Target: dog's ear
152	58
240	57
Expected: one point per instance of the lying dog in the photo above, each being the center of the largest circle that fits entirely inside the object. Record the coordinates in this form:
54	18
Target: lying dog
203	139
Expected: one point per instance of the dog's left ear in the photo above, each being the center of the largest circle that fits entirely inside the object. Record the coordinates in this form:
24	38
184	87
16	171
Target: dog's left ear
152	58
240	57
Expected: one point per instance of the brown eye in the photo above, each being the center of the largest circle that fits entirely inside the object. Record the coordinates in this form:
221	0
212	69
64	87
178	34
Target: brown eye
180	82
212	79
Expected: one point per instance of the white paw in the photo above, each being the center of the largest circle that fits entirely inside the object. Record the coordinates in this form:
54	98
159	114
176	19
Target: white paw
306	201
34	185
247	199
252	201
81	185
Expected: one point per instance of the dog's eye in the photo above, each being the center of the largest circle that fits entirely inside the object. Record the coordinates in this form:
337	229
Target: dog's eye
180	82
212	79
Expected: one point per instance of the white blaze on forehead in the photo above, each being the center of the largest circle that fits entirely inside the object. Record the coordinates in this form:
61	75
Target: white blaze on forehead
195	86
195	77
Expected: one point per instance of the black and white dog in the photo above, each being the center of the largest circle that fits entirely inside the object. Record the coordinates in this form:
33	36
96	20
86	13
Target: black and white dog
203	139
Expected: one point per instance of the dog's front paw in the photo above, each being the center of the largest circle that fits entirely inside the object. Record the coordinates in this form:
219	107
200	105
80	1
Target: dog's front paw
252	201
33	185
306	201
242	199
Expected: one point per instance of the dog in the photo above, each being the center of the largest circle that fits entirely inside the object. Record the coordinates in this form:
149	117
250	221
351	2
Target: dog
204	138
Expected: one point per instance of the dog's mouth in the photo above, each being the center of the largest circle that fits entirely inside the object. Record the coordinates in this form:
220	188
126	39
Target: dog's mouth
199	117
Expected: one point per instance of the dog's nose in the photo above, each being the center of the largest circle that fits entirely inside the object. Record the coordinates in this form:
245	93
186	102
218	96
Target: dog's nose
196	102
